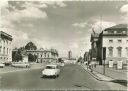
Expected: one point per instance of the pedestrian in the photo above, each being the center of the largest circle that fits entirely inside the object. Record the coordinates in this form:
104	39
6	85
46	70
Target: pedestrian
90	67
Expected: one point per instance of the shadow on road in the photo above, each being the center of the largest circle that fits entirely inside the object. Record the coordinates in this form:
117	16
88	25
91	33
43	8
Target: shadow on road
122	82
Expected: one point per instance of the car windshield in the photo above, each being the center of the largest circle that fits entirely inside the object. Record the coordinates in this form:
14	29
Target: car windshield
50	67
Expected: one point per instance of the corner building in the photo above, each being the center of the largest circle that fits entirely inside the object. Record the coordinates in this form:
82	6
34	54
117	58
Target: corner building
115	40
5	47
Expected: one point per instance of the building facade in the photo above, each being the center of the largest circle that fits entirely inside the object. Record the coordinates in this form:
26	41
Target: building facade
115	42
5	47
44	55
69	54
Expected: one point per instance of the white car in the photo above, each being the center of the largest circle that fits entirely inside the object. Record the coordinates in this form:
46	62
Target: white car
2	65
51	71
21	64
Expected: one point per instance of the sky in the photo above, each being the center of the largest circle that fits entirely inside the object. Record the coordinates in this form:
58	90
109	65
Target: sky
63	25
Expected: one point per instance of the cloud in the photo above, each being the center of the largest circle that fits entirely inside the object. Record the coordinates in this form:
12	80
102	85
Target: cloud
124	12
81	25
61	4
55	3
124	8
37	4
19	38
28	12
99	26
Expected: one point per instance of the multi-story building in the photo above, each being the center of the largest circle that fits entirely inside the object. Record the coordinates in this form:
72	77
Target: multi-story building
115	42
44	55
69	54
5	47
40	55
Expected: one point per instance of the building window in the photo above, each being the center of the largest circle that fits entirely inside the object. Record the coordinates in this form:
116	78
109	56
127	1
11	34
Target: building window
127	51
110	51
119	49
4	50
44	54
110	41
119	41
48	55
7	50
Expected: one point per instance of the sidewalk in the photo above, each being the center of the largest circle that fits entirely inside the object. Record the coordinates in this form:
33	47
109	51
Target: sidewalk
119	77
7	69
112	72
97	75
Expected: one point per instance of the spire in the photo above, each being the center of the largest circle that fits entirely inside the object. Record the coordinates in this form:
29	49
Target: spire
93	30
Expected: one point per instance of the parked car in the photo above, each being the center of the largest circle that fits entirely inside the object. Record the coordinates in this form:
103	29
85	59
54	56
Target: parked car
2	65
51	71
60	64
21	64
7	63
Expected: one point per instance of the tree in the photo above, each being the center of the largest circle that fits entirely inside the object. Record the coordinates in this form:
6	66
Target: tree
32	58
16	55
30	46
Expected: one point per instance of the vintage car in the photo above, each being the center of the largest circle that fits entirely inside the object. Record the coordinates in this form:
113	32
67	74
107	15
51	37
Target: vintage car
51	70
20	64
2	65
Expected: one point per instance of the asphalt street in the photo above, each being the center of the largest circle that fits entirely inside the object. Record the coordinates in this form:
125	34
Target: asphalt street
71	77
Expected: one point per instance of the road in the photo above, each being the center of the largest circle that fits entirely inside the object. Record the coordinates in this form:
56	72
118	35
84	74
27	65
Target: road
71	77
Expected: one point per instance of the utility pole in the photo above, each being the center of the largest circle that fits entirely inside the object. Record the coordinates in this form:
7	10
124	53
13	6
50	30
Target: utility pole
103	49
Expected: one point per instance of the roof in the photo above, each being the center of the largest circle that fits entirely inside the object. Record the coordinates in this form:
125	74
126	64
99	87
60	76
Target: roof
118	26
1	32
5	35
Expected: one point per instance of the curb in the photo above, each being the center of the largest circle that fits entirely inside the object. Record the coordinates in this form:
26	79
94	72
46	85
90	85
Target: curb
92	74
95	76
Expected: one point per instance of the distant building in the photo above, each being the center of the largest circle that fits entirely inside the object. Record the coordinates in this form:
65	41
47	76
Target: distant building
115	41
5	47
69	54
44	55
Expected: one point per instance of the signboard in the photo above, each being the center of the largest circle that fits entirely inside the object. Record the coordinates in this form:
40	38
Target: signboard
119	64
110	64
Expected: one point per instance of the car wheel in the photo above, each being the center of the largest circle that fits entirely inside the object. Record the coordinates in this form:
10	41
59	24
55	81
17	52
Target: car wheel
58	75
54	76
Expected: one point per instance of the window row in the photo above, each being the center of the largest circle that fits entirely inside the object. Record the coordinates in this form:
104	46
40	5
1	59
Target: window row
119	41
117	32
5	50
119	52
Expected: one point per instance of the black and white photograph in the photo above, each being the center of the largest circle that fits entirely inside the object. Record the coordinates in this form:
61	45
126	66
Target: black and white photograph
63	45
